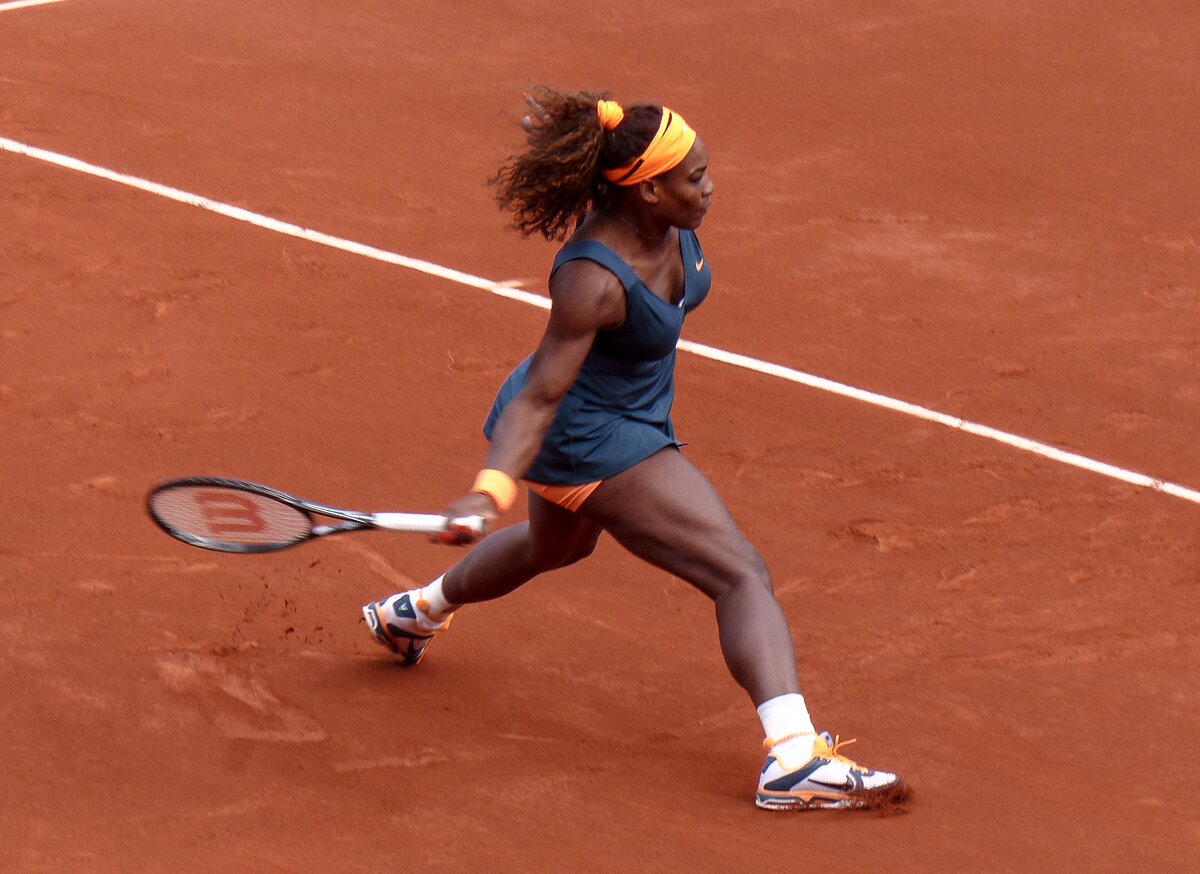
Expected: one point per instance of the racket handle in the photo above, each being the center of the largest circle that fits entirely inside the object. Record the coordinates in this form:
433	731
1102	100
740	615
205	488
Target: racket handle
423	523
474	523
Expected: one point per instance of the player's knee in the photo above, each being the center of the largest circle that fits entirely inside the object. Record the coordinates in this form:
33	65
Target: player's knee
748	572
755	571
577	553
552	558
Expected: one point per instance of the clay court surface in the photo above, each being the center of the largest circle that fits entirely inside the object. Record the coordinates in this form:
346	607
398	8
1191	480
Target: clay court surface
988	209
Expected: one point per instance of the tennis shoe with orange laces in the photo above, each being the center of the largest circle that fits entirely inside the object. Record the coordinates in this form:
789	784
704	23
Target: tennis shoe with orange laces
401	624
827	780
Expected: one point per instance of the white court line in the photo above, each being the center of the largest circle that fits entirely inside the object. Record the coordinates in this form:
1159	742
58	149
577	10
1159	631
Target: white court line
1017	442
506	289
21	4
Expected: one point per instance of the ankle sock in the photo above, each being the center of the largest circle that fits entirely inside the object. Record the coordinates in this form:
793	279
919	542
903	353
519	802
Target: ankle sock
436	606
787	716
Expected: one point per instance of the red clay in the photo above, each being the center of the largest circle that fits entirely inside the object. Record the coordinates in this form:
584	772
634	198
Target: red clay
988	209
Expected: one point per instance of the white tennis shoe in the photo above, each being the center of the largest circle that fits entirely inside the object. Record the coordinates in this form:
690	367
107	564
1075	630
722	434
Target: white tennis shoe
825	780
400	623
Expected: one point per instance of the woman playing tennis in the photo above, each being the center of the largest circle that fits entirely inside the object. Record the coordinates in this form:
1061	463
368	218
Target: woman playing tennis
585	422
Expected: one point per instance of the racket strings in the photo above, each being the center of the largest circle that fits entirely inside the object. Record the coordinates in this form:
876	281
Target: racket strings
213	514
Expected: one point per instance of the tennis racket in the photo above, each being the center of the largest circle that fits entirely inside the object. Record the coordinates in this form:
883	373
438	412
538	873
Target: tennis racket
232	515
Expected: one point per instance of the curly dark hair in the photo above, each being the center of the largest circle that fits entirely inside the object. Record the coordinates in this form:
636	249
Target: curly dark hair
551	185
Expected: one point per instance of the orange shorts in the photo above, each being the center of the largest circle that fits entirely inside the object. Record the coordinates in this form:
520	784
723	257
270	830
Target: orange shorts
568	497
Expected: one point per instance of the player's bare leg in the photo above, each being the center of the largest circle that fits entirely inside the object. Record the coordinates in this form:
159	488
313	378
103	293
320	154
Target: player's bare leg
666	512
406	622
508	558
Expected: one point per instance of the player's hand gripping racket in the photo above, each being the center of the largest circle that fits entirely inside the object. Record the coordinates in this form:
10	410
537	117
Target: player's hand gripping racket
231	515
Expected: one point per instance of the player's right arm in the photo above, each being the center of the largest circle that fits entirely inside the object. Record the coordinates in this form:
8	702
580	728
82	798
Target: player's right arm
585	298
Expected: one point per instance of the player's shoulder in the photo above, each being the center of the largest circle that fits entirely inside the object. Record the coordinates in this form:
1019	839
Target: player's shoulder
585	288
582	272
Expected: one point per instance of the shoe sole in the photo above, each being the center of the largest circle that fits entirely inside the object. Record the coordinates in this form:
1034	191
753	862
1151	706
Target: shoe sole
883	799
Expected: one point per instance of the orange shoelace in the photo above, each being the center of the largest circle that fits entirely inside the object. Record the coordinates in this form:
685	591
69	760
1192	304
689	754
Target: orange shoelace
838	743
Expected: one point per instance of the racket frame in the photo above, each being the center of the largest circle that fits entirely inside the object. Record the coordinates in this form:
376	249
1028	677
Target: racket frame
349	520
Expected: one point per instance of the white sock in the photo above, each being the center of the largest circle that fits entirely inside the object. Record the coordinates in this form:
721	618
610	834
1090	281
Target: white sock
438	607
787	716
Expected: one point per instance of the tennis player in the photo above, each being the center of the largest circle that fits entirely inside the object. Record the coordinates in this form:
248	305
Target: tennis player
585	423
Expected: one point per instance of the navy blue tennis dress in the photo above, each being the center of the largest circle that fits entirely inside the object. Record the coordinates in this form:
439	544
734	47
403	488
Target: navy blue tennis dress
618	411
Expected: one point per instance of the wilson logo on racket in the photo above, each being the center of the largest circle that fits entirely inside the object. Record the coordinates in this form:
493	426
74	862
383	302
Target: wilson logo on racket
226	513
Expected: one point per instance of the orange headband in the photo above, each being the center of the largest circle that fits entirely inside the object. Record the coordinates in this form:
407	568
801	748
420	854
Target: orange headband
669	146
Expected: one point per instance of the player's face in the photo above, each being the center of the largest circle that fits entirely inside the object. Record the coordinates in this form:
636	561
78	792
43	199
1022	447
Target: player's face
687	190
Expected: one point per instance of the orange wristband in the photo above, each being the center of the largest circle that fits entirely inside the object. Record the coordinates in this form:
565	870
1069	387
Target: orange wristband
498	486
